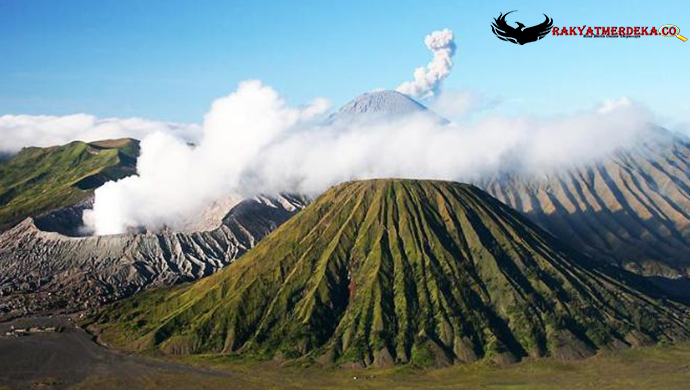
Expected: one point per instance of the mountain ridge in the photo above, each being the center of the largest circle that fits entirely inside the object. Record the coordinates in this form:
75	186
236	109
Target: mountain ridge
38	180
631	208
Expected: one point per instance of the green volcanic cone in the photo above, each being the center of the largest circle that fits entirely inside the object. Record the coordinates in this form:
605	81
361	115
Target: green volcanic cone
382	272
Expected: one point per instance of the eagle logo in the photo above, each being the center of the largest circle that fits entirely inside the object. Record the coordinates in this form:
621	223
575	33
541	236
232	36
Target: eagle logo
520	35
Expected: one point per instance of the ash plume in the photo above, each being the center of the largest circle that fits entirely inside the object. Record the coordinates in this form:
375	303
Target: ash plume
427	80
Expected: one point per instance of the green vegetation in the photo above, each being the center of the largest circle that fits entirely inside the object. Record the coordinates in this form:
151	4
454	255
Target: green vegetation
383	272
37	180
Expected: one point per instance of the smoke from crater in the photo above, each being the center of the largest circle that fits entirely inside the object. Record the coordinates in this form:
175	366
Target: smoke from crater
427	80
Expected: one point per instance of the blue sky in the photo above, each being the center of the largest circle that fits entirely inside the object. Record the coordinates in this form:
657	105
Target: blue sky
168	60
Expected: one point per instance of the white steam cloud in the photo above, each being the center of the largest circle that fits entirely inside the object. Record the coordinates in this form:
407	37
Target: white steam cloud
253	142
175	179
427	80
18	131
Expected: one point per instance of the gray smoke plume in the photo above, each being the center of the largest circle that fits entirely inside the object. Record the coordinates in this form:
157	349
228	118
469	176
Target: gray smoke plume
427	80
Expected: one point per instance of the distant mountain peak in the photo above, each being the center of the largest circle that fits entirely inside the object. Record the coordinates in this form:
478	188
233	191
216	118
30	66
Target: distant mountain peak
389	102
381	104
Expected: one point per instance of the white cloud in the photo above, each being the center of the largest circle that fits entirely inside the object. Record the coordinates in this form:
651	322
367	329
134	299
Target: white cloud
254	142
461	105
18	131
310	160
614	104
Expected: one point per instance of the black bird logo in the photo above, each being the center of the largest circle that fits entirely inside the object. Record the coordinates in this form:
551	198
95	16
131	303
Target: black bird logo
517	35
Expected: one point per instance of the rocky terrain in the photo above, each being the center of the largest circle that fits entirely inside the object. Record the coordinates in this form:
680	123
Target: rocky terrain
383	272
49	271
631	208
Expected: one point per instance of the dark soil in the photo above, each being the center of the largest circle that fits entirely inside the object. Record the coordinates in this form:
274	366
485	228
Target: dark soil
60	359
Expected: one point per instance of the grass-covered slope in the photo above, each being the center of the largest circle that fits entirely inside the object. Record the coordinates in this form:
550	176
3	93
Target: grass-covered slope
395	271
37	180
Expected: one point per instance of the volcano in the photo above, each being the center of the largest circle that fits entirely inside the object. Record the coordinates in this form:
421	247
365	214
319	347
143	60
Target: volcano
630	207
384	272
381	105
